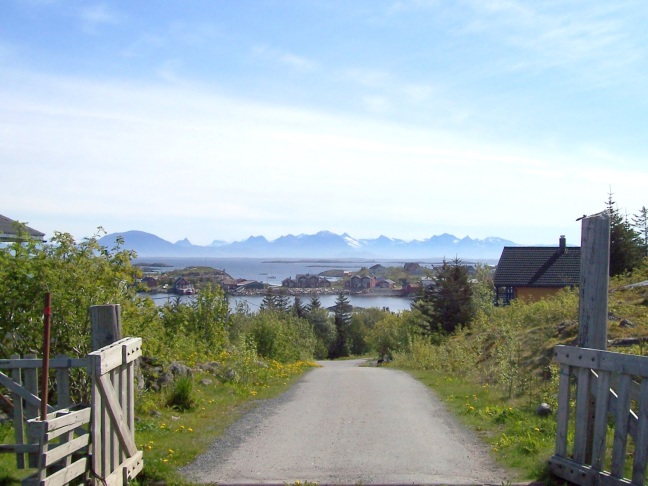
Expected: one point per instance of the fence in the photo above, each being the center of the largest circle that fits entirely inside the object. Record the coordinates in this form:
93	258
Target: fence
606	393
61	445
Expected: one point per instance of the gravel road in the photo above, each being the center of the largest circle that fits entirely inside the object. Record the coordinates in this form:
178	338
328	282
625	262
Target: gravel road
346	424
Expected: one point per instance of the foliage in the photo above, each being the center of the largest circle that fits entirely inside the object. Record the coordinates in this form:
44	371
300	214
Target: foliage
447	305
640	223
342	318
278	335
181	397
324	329
390	334
77	274
626	246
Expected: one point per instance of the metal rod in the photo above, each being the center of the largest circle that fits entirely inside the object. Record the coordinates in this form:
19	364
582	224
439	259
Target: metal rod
47	313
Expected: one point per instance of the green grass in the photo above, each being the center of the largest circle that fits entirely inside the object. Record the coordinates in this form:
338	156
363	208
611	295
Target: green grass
518	438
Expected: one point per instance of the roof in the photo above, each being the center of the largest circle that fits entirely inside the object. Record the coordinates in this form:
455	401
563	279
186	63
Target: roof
532	266
8	230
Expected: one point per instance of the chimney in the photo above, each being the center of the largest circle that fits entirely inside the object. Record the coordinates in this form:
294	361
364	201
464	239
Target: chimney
562	247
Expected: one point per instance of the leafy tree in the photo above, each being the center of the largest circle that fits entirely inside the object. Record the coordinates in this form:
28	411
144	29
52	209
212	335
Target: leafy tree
626	249
342	318
324	330
447	305
77	274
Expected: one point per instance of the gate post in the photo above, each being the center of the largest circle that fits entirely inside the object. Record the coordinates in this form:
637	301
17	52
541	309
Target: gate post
105	325
594	281
593	311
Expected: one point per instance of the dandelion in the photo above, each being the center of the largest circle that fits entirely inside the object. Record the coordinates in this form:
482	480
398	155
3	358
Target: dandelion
190	429
165	460
170	451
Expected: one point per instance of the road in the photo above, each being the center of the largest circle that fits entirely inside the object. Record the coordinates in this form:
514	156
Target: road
346	424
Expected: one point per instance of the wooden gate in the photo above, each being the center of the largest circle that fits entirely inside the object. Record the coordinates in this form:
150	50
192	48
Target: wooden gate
97	442
115	458
606	396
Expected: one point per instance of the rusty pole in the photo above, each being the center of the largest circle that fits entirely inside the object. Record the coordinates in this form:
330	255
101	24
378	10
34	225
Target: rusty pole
47	313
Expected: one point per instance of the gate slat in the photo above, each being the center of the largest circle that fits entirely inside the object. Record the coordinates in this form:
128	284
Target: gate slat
641	446
562	416
600	420
621	430
582	414
114	410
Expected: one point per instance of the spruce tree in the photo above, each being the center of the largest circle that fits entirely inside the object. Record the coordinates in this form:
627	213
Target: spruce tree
342	319
640	223
447	305
626	251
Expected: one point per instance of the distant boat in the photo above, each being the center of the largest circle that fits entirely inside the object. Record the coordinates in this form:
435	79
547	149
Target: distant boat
271	276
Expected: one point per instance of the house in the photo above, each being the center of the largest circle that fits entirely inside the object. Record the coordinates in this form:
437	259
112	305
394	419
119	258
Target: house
150	282
183	287
9	227
385	283
359	283
535	272
306	281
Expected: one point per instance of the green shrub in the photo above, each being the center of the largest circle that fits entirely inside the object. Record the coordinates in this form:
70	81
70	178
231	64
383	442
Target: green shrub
181	395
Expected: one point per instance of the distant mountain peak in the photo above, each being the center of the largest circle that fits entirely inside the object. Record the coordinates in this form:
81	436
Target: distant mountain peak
323	244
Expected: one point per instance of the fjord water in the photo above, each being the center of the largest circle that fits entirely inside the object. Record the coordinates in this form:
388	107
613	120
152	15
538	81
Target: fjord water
273	271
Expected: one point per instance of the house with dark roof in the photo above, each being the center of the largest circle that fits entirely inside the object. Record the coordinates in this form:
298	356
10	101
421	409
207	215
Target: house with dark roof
9	231
532	273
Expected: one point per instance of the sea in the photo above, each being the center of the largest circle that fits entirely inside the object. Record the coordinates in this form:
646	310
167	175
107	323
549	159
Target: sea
273	270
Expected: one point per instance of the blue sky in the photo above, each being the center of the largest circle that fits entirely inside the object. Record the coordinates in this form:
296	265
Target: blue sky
217	120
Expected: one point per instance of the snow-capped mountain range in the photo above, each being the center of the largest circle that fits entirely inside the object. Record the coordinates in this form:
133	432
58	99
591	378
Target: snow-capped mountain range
320	245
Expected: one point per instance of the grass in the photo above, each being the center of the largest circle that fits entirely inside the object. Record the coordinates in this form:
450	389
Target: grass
518	438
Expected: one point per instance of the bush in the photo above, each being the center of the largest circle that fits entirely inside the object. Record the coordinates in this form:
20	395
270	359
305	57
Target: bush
181	396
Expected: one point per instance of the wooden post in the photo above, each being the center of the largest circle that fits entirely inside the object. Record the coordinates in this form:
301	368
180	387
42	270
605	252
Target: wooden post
105	325
594	281
592	315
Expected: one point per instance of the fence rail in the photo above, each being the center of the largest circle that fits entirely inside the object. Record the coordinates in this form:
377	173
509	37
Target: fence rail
606	392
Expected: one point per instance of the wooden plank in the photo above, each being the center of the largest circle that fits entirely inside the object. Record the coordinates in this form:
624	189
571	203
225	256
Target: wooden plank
602	360
641	444
121	352
621	429
19	426
22	392
30	383
600	421
114	410
582	415
126	470
96	429
19	448
115	376
57	453
131	350
62	385
65	476
562	415
572	471
34	363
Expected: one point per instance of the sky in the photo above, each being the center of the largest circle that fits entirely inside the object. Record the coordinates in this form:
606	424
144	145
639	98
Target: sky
222	119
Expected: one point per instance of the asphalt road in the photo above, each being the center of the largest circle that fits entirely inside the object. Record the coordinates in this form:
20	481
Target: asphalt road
345	424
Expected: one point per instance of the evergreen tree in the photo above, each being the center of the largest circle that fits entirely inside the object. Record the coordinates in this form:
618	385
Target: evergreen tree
447	305
314	303
299	309
640	223
626	251
268	302
342	319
